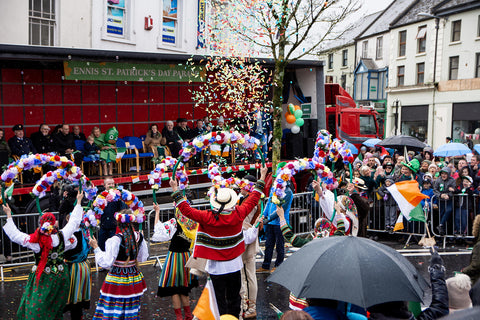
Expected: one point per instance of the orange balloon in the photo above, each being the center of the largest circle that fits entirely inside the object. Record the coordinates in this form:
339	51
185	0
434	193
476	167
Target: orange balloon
290	118
297	108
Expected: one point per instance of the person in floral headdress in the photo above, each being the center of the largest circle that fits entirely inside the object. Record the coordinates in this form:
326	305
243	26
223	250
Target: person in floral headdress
47	287
176	280
124	284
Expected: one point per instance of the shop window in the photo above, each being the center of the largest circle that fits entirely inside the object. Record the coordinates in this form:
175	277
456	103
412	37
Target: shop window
420	73
400	76
456	29
367	124
42	22
415	121
453	68
365	49
421	39
330	61
477	65
171	23
402	43
379	49
344	58
117	19
466	122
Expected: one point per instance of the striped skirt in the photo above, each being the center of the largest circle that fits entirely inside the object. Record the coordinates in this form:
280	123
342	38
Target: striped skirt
80	284
120	294
175	277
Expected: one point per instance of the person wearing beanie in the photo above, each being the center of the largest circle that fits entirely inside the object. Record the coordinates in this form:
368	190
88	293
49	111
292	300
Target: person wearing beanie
220	239
463	203
473	269
443	187
432	169
458	288
389	203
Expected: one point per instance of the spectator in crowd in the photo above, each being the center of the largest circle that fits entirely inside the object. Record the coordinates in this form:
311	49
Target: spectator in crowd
424	166
207	124
77	134
388	167
199	128
458	288
399	165
220	124
173	140
91	150
387	159
443	187
366	176
154	141
426	189
108	149
184	130
432	169
57	129
108	224
4	150
64	142
361	155
19	144
409	170
356	191
262	128
474	163
462	173
389	203
463	202
42	140
428	154
473	269
448	139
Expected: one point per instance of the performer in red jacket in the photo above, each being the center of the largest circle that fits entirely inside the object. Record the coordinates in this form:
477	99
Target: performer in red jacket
220	239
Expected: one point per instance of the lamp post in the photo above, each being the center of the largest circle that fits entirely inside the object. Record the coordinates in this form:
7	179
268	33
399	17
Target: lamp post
396	116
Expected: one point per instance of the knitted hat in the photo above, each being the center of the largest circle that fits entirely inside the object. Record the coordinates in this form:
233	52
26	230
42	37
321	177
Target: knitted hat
427	177
468	178
413	165
458	289
445	169
225	197
389	178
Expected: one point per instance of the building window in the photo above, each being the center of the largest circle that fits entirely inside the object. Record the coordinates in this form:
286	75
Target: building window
171	18
453	68
365	49
343	81
477	65
41	22
328	79
379	51
421	39
344	58
478	27
420	73
402	43
330	61
117	21
456	29
415	121
400	75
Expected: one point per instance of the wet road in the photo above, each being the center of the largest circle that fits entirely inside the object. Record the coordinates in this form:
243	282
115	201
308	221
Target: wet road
153	307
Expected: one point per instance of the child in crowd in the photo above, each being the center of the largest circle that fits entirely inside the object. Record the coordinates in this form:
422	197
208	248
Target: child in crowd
463	205
427	190
91	149
390	204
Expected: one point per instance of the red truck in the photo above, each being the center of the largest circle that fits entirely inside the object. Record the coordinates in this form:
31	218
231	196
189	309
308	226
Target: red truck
347	121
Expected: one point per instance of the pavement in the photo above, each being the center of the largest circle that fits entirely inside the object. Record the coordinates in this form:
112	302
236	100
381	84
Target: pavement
11	289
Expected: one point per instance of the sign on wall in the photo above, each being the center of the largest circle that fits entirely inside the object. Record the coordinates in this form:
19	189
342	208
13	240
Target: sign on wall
169	23
201	24
307	110
81	70
116	17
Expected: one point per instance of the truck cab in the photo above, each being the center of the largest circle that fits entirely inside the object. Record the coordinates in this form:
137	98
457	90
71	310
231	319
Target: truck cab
345	120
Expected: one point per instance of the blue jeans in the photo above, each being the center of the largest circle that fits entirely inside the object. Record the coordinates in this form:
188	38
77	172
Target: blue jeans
461	216
274	238
263	137
446	209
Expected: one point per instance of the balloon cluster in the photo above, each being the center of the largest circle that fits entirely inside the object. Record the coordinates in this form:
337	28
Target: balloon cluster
218	137
32	161
290	169
155	178
120	194
293	116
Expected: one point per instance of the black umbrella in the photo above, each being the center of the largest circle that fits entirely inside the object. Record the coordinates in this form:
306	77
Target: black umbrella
467	314
350	269
401	141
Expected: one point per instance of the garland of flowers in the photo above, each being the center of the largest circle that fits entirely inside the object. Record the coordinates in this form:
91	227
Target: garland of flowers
158	173
111	195
72	173
28	162
290	169
214	173
322	145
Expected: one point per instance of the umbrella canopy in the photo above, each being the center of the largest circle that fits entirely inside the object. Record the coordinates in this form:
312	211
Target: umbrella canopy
466	314
451	150
477	148
350	269
401	141
372	142
352	147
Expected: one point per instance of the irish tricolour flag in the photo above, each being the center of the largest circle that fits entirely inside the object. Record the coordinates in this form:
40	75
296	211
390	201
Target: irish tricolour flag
207	308
408	197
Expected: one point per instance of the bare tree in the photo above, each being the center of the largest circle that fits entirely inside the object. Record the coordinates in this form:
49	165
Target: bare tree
284	30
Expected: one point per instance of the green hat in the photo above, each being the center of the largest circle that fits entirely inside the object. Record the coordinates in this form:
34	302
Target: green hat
413	165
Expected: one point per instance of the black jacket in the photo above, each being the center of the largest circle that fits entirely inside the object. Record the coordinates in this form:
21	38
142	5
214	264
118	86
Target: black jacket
63	142
43	144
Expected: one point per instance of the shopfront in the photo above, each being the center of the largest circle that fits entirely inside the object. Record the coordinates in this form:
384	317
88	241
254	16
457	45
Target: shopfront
414	121
466	122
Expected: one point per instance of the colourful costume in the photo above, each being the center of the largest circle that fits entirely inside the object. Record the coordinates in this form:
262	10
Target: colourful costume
47	287
124	283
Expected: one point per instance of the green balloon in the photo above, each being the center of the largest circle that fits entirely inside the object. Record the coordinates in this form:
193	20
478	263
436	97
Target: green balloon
298	114
291	108
299	122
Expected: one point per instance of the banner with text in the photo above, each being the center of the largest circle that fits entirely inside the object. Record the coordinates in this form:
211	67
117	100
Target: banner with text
112	71
201	24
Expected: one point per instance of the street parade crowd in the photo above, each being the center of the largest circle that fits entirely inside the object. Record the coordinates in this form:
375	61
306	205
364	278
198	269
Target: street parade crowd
222	242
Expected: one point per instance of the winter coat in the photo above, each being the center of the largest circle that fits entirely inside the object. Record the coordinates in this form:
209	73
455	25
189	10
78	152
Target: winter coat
473	269
441	186
431	194
463	198
386	196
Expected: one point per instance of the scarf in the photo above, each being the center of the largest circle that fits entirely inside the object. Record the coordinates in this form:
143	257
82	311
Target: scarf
43	238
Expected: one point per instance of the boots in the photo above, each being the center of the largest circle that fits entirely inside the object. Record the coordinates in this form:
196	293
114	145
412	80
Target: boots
178	314
251	312
188	313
